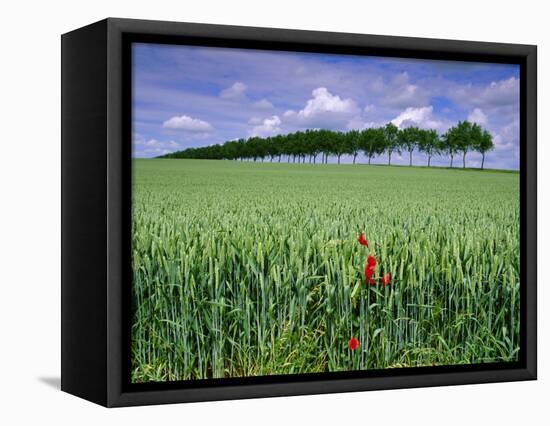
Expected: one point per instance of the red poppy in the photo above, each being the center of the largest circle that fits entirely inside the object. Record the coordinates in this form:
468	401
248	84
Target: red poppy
371	261
385	280
369	269
362	240
353	343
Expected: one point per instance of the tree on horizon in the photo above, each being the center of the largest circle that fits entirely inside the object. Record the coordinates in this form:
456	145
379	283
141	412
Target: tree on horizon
300	146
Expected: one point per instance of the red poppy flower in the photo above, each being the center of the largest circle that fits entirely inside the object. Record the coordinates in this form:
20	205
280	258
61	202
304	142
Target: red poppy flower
385	280
353	343
362	240
371	261
369	269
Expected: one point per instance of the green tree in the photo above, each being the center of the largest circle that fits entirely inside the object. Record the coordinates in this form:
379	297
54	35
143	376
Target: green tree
316	147
339	145
371	141
464	137
484	144
449	145
325	142
409	139
391	140
429	143
353	138
277	146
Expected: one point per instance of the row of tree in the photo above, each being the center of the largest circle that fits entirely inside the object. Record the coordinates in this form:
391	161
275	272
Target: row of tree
389	139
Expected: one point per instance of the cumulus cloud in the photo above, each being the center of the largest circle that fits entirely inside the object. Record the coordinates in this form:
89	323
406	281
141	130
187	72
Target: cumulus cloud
263	104
234	92
478	116
153	147
323	110
268	127
324	101
186	123
497	94
507	137
420	117
400	92
500	93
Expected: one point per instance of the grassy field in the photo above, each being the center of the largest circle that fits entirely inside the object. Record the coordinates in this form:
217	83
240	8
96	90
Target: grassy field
244	269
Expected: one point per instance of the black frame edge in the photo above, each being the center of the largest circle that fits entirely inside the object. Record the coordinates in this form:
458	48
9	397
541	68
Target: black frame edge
530	190
399	44
83	212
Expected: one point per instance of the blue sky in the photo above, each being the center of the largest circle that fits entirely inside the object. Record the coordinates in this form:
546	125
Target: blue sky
187	96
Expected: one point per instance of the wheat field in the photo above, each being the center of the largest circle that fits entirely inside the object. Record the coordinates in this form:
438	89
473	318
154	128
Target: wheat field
248	269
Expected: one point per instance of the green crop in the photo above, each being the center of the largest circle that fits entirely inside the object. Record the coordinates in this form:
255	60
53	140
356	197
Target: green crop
246	269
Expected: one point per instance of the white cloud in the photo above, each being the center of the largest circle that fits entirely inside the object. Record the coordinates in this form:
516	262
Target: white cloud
501	92
421	117
324	101
478	116
323	110
184	122
400	92
235	92
268	127
263	104
507	137
153	147
495	95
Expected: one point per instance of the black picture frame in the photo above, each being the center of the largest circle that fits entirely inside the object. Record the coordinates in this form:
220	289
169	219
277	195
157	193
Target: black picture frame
96	210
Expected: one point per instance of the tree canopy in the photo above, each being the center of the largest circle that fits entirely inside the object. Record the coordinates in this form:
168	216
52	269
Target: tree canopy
307	145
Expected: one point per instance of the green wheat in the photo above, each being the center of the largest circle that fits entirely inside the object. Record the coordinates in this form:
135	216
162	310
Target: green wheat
246	269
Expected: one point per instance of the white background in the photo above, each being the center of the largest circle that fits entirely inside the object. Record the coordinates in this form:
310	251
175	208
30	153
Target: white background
30	211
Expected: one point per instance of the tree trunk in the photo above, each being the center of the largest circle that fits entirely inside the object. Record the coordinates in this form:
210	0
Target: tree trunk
482	159
429	159
464	160
314	158
452	160
389	158
279	158
339	158
410	158
354	157
370	158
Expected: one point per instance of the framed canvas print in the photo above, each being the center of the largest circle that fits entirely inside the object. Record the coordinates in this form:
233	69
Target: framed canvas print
253	212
